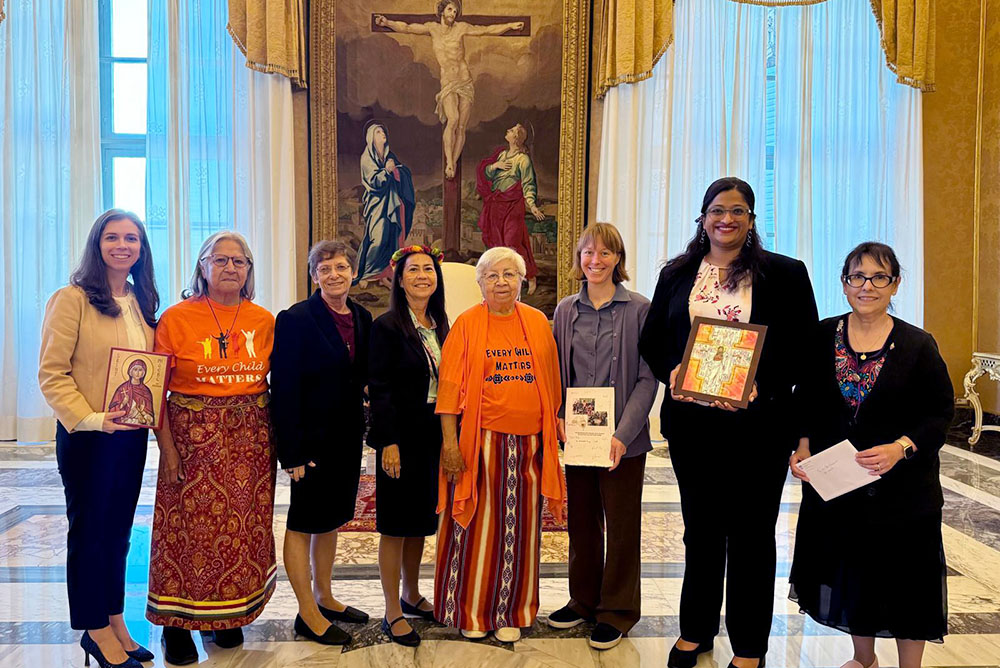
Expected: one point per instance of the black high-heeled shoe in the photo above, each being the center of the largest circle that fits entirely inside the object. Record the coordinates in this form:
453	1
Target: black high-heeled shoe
140	654
92	649
414	611
760	664
411	639
687	658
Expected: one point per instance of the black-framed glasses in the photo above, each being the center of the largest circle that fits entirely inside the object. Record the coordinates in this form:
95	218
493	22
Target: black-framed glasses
221	261
878	280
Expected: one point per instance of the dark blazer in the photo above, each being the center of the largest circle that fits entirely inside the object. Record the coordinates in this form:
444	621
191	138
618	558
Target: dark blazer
783	300
398	377
317	393
912	397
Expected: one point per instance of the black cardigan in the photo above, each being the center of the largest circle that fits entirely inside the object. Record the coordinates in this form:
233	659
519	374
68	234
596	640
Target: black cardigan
912	397
783	300
398	378
317	393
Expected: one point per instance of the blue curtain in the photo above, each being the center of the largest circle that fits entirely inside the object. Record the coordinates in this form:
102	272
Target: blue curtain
189	141
34	200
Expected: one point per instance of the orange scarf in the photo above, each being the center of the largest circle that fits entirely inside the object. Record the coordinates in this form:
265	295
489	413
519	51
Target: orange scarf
460	391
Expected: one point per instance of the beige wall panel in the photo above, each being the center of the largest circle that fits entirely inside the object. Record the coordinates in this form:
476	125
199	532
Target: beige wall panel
300	110
949	177
989	203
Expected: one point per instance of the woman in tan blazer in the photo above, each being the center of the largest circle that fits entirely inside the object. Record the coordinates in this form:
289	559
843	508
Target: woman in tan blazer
100	461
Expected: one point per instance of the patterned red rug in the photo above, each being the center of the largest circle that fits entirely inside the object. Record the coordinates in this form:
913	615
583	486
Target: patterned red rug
364	511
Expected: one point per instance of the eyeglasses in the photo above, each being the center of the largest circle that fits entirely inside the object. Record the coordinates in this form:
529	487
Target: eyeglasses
221	261
878	280
508	277
736	211
326	269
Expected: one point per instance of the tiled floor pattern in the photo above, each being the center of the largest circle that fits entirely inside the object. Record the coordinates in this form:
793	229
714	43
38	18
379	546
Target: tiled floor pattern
34	630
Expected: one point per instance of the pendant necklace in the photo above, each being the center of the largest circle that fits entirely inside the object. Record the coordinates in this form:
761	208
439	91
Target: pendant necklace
223	338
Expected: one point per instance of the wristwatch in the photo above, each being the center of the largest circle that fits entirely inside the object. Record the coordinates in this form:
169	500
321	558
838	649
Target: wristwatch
908	450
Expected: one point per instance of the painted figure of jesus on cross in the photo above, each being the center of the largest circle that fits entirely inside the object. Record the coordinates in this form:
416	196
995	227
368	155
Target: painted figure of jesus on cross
447	33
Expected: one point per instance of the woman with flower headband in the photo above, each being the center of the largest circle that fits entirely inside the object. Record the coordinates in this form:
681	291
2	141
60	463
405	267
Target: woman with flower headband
319	369
403	384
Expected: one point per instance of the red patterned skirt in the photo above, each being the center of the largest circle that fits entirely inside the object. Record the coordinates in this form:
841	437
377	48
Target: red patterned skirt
486	576
212	562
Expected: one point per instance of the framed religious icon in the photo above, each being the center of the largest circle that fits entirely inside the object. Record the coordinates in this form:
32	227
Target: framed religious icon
460	124
720	361
137	384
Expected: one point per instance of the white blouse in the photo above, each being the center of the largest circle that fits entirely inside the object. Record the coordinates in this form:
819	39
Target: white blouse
710	300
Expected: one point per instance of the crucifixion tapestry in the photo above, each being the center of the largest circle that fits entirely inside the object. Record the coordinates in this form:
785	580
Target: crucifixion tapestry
459	124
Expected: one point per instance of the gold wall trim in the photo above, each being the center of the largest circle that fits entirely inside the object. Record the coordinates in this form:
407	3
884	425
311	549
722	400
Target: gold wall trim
574	122
977	183
323	121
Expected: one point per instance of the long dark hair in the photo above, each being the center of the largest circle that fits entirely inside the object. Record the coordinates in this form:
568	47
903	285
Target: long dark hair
92	273
400	308
748	264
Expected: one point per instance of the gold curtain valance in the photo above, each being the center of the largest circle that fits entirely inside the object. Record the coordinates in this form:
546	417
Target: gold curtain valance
907	28
271	33
908	33
632	35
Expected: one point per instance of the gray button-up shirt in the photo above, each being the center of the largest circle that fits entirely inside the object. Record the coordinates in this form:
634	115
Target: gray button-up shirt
627	372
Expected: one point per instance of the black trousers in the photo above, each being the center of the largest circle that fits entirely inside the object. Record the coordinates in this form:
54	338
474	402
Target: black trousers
730	486
102	477
607	588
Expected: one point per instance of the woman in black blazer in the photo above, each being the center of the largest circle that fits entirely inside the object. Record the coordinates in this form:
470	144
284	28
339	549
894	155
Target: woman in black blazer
730	464
871	562
319	370
405	355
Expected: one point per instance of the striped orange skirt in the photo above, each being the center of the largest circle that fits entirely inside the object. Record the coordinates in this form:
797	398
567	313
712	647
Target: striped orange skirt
212	560
486	576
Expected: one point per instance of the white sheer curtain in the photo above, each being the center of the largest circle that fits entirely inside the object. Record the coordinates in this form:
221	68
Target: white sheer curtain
219	151
49	185
795	100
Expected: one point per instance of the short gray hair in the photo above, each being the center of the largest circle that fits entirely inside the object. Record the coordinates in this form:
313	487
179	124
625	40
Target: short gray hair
326	249
198	287
496	255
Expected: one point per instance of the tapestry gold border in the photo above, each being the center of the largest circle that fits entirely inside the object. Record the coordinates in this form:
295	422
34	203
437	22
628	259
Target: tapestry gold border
574	120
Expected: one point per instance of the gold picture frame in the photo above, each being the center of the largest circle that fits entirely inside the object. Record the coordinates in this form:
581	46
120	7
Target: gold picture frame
574	117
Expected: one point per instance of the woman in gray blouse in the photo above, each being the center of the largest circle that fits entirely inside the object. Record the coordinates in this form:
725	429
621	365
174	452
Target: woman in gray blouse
597	332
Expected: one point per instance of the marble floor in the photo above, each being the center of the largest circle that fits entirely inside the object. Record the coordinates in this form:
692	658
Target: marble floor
34	627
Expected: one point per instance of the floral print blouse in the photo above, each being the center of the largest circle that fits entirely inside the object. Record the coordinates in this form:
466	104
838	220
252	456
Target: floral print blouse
856	372
710	300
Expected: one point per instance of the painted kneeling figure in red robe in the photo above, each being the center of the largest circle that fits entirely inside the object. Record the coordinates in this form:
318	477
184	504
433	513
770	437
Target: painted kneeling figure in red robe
506	182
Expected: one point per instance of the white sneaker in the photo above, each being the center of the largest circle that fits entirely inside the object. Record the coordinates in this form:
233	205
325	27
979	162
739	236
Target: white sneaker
508	634
474	635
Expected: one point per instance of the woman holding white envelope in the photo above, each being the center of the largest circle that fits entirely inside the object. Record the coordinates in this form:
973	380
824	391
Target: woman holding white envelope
597	334
871	562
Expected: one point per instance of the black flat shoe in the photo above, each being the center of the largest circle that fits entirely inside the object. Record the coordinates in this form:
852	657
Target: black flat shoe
91	648
349	615
178	646
140	654
760	664
334	635
411	639
414	611
604	636
226	638
687	658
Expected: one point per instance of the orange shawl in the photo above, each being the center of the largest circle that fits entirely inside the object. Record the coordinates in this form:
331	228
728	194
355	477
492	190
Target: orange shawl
460	391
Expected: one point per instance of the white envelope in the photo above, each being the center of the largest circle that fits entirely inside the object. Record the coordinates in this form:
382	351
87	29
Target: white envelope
834	472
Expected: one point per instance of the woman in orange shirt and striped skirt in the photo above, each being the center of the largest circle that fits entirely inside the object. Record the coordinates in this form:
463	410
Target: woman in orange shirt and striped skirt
500	373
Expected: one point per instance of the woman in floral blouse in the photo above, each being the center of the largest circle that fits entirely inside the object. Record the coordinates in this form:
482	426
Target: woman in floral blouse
730	463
